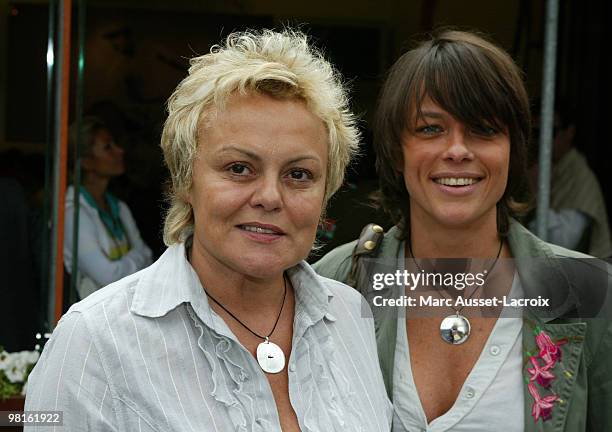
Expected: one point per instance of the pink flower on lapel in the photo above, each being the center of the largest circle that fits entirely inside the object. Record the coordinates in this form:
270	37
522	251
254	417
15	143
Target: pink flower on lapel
541	374
549	353
549	350
542	406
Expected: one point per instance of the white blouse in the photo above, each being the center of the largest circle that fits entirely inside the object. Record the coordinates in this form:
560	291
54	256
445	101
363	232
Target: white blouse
147	353
494	383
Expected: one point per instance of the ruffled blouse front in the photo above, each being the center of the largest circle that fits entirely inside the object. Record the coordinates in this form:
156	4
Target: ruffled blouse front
154	356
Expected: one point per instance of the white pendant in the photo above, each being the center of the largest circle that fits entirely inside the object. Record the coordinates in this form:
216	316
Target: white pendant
455	329
270	357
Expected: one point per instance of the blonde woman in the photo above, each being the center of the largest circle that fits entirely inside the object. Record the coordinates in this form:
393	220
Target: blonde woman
230	329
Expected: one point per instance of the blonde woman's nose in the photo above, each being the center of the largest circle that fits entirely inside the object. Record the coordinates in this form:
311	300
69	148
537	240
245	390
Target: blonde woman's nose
267	194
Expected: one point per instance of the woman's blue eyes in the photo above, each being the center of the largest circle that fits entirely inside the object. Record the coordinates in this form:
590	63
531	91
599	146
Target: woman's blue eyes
484	131
429	129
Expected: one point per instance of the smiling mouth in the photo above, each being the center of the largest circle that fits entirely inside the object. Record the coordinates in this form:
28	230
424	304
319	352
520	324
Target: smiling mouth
259	230
457	181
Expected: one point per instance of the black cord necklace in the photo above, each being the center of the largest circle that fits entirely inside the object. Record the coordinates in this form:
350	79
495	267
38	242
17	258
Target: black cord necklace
270	356
455	329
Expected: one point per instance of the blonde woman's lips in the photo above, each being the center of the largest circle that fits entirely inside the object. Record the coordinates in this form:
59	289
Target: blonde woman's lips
263	233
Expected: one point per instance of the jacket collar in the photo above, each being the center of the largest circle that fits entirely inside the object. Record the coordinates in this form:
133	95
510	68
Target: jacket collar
541	273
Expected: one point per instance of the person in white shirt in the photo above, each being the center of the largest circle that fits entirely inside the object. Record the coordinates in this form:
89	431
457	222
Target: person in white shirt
577	217
109	243
231	330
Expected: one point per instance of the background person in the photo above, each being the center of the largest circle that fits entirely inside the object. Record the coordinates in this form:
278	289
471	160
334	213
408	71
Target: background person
231	329
451	131
109	243
577	218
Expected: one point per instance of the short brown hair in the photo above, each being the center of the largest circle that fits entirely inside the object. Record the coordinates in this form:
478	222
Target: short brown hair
475	81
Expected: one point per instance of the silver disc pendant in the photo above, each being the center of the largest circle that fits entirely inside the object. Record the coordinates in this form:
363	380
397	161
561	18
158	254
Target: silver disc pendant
270	357
455	329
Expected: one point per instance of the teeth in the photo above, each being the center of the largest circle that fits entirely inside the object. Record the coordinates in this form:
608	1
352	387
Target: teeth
258	230
455	181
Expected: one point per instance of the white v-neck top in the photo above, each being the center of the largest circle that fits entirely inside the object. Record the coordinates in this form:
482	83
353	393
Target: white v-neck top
491	398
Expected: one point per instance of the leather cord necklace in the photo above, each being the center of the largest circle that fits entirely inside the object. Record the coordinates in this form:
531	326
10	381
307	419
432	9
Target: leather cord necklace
270	356
455	329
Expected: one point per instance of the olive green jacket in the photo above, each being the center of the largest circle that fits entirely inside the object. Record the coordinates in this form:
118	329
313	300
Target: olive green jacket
580	287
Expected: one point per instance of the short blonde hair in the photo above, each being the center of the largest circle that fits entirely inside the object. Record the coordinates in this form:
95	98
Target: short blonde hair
281	65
